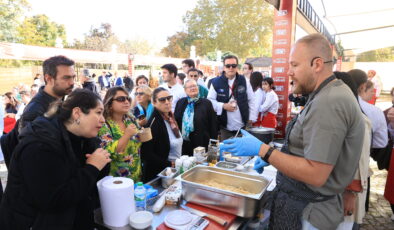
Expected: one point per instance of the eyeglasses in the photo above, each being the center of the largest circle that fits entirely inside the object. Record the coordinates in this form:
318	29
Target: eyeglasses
139	94
163	99
231	65
122	99
321	58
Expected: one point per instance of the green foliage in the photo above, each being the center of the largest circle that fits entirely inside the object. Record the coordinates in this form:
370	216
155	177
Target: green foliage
101	38
136	46
211	56
243	27
10	13
379	55
40	30
178	45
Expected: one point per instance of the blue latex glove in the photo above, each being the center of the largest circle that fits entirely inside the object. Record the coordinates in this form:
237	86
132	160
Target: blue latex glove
247	145
259	165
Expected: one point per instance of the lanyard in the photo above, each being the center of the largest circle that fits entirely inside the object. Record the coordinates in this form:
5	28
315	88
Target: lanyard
231	89
311	97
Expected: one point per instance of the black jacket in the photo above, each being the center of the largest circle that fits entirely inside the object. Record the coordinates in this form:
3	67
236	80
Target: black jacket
37	107
205	124
49	185
91	85
154	153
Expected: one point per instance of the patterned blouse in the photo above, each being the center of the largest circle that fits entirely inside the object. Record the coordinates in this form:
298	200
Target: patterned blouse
128	163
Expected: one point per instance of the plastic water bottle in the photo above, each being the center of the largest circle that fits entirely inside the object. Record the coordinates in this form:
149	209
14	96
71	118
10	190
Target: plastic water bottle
140	197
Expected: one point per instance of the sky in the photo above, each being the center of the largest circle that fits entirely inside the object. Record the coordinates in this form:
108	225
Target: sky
153	20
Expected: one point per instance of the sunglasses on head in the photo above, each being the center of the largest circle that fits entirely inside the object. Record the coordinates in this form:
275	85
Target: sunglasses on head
122	99
231	65
139	94
163	99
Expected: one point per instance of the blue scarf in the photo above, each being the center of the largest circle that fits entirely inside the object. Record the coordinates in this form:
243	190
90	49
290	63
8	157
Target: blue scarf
149	110
188	118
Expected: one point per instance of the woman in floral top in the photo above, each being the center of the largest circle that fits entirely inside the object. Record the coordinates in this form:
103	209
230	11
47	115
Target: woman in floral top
119	135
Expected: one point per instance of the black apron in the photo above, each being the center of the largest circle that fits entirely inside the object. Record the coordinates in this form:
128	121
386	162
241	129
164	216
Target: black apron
290	197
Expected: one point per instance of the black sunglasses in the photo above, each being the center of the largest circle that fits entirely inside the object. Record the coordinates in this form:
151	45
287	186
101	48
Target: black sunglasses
140	94
163	99
231	65
122	99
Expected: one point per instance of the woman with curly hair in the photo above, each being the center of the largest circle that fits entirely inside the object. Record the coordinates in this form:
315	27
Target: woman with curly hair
119	135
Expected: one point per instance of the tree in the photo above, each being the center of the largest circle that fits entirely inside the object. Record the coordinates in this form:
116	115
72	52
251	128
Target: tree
178	45
243	27
39	30
10	13
379	55
101	38
136	46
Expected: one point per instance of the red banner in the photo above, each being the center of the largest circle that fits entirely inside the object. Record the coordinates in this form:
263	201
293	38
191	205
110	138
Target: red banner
283	37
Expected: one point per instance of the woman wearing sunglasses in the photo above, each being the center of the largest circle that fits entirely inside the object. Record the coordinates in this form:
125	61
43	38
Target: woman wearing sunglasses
119	135
144	108
166	144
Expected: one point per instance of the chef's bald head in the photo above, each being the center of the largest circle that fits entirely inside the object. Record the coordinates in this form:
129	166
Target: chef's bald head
316	45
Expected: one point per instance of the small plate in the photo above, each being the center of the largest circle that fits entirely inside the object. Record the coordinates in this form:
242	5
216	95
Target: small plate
178	218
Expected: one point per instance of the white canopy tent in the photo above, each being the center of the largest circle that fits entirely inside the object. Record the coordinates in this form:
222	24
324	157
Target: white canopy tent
360	25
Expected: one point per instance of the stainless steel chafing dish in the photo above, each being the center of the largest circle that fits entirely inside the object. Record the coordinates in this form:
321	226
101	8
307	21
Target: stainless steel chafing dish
244	205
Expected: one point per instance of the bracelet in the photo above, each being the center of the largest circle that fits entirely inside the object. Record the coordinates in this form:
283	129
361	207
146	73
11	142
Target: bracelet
268	154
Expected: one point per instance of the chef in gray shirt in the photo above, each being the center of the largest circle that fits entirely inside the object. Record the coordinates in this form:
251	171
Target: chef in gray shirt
322	145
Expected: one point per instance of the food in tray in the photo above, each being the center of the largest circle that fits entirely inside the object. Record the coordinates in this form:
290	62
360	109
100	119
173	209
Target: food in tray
219	185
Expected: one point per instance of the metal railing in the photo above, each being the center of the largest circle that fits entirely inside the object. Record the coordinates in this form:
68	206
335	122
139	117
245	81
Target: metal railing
306	9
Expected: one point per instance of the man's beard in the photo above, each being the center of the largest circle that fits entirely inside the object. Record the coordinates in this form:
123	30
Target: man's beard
62	92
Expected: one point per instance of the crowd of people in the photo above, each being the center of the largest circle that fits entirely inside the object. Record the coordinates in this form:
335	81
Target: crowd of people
63	136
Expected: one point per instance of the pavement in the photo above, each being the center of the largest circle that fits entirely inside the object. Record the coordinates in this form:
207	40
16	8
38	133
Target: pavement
379	213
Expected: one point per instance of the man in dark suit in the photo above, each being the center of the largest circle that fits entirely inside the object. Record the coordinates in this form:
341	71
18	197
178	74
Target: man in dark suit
104	80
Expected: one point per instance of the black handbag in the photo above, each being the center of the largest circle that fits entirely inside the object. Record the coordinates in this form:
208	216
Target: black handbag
382	156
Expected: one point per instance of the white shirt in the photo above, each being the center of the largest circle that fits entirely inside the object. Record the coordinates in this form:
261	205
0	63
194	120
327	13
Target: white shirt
201	82
259	98
177	93
234	119
175	144
379	125
271	103
377	84
20	111
106	83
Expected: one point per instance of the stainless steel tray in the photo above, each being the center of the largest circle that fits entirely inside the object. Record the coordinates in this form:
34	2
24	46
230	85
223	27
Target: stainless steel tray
244	205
